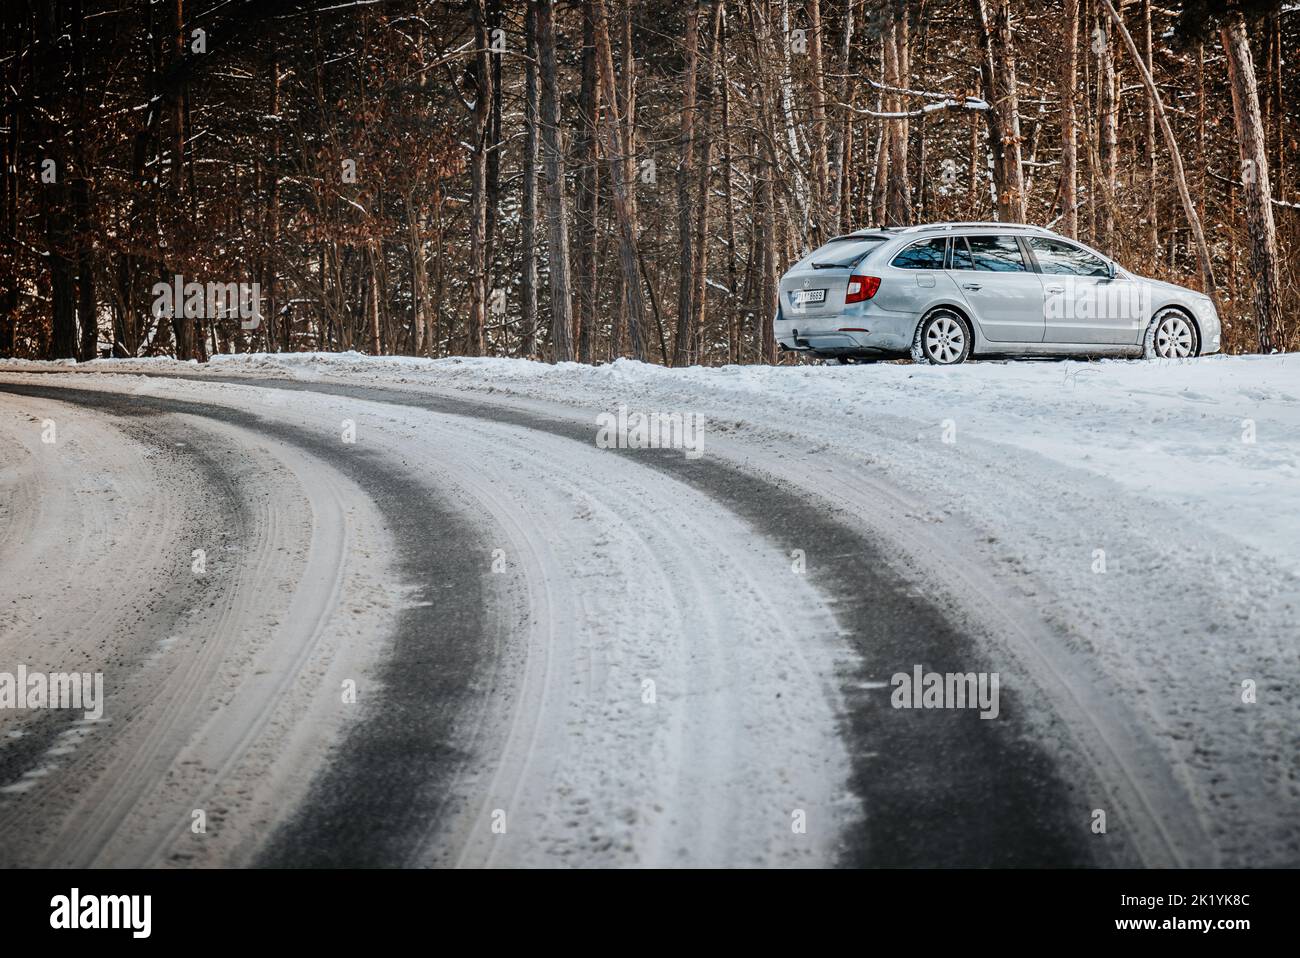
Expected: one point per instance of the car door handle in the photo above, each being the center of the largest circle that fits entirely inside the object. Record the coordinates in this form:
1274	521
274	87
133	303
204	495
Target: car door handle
971	286
1056	289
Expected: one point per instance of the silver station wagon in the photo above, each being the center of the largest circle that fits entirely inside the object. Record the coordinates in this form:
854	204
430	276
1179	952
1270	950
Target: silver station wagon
948	291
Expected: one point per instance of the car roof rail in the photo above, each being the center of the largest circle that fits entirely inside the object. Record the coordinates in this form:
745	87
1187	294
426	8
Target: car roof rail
945	227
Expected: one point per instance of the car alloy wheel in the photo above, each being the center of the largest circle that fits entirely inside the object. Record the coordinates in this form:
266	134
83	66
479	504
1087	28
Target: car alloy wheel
1171	336
942	339
1174	337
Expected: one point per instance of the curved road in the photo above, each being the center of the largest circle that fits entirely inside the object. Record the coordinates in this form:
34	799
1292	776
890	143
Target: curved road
431	629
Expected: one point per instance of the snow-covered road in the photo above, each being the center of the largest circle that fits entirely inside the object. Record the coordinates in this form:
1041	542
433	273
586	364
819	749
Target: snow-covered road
568	654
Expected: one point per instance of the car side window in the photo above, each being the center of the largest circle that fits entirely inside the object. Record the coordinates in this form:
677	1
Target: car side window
996	254
924	255
1063	259
961	254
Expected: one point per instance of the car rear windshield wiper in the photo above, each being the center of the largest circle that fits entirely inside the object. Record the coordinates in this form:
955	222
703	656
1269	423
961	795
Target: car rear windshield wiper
847	265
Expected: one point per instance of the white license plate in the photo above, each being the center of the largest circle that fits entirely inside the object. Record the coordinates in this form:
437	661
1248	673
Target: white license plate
802	297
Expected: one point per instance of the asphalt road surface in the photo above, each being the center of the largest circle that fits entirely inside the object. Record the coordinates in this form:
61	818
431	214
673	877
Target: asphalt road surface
429	629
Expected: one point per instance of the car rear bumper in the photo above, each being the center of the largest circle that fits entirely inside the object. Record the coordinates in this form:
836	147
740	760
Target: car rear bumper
870	332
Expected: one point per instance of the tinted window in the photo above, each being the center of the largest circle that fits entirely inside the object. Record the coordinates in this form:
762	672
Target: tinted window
1062	259
998	254
845	252
927	255
961	254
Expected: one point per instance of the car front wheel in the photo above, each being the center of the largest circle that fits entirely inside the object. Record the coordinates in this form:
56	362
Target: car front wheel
1170	335
942	339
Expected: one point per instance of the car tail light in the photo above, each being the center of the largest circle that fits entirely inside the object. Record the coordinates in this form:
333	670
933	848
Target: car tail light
861	288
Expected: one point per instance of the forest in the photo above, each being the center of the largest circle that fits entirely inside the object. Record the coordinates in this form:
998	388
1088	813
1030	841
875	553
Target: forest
588	180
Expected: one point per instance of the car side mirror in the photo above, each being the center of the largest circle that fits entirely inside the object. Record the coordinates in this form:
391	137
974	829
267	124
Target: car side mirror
1111	269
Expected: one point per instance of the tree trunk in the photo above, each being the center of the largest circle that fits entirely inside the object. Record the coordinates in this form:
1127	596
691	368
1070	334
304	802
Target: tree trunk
624	212
733	319
1070	123
771	268
10	43
492	183
9	212
630	180
433	316
87	308
184	329
528	215
686	153
1107	126
1202	162
557	220
275	326
704	139
1152	210
880	173
588	187
63	339
376	344
999	73
898	190
1279	116
54	196
418	283
842	141
478	265
821	212
1253	149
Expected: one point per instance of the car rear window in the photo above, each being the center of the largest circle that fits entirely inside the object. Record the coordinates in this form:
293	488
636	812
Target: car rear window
844	252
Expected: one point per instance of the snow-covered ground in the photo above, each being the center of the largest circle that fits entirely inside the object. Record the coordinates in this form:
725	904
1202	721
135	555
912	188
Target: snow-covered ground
1125	535
1218	437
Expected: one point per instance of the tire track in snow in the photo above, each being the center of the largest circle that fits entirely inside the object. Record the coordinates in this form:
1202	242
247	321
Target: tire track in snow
937	787
388	778
626	574
120	619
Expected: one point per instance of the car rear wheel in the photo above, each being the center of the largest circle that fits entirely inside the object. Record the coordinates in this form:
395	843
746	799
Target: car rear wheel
1170	335
942	339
